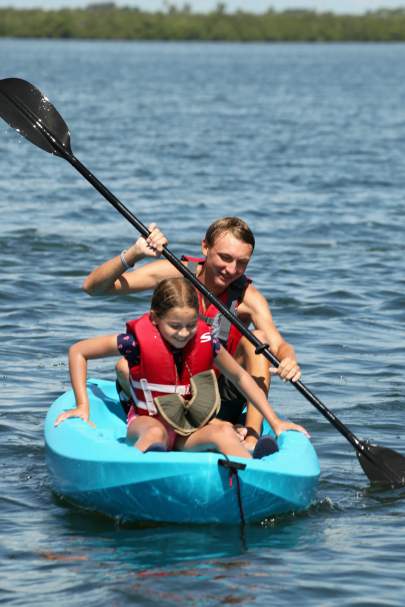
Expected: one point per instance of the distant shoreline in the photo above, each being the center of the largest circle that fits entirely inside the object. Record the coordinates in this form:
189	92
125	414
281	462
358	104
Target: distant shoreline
107	22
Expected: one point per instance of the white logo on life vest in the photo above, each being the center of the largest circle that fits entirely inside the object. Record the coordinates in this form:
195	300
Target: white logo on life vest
205	337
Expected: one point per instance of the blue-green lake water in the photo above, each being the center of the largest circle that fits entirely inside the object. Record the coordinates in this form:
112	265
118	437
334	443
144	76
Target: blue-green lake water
305	142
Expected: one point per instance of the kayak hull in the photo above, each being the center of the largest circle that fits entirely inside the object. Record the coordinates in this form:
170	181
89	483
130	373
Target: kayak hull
96	469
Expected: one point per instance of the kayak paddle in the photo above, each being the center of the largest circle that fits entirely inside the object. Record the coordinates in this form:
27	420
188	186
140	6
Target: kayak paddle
27	110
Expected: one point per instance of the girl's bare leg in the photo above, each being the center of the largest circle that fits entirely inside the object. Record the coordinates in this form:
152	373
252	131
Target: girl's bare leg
219	436
147	431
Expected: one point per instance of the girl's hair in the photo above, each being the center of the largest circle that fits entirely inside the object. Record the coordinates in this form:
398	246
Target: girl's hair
173	293
236	226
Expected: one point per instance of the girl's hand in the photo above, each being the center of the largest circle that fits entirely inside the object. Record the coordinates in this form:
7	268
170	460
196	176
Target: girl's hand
282	426
80	412
153	245
288	370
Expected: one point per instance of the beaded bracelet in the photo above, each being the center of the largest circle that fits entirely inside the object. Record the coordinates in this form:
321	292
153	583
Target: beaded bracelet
124	262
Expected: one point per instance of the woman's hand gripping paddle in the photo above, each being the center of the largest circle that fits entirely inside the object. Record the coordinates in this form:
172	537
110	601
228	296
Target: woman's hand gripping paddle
27	110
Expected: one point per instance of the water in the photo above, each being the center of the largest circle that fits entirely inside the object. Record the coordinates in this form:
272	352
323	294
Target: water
306	142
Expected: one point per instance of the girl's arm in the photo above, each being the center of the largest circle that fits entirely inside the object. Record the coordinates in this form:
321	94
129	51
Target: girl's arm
246	384
79	354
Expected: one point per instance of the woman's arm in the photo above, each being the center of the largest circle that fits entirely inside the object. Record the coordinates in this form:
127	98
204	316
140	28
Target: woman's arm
246	384
79	354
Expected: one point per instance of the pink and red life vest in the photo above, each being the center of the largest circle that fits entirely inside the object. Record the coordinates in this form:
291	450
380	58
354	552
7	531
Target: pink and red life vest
156	374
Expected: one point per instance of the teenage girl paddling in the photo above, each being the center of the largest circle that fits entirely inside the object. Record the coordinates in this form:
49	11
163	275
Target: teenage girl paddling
167	349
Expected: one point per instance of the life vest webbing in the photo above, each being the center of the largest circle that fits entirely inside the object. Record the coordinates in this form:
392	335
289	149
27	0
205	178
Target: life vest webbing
149	404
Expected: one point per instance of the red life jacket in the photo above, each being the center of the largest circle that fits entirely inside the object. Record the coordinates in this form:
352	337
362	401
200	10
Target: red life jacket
156	374
226	332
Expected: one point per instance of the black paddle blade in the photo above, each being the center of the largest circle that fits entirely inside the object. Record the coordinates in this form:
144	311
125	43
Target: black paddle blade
28	111
382	465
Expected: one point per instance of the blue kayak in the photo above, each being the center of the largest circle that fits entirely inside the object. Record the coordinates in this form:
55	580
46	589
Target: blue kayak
96	469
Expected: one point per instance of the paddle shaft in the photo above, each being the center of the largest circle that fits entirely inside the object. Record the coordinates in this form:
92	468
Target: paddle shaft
261	348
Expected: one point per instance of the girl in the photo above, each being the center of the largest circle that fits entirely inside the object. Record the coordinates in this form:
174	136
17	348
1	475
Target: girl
164	350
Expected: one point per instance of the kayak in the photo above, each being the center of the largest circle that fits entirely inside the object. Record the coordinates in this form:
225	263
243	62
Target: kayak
96	469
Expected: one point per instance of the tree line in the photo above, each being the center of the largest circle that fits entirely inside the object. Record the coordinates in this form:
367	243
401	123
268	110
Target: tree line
108	22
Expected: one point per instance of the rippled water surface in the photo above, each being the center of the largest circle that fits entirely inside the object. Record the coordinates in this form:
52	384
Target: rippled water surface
307	143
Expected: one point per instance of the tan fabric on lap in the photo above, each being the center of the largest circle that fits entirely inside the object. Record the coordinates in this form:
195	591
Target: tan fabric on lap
186	416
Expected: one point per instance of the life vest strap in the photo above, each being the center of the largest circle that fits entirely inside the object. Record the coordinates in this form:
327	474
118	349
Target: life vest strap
165	388
148	404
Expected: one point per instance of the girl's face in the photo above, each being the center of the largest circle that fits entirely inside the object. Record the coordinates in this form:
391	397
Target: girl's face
177	326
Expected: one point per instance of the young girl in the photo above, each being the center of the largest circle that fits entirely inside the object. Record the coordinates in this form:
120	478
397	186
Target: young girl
164	350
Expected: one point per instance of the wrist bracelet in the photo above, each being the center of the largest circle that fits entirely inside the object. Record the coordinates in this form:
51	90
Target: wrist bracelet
124	262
